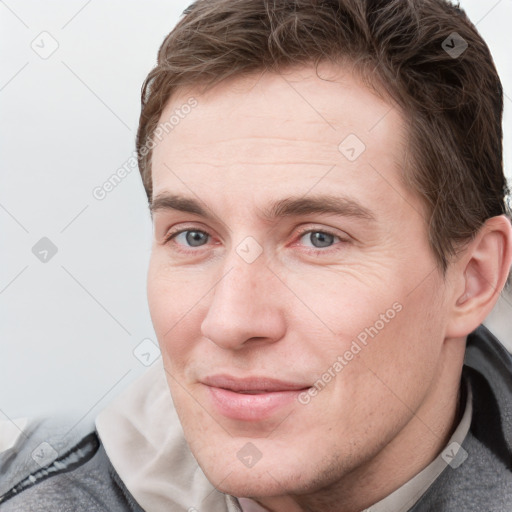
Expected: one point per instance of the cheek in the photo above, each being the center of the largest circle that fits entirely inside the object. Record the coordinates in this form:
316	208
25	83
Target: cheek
340	303
175	305
387	335
403	356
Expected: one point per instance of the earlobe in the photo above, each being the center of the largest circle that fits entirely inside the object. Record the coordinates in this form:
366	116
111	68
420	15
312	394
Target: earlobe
483	268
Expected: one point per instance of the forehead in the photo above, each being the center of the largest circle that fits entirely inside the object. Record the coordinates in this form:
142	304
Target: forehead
296	125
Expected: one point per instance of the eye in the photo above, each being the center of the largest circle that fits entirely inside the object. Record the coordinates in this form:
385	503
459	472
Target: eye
319	239
188	237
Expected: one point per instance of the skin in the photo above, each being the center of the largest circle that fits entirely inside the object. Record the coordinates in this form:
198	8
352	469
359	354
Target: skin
292	311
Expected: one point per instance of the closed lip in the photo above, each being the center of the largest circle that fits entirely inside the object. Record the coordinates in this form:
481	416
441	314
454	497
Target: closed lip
252	384
250	399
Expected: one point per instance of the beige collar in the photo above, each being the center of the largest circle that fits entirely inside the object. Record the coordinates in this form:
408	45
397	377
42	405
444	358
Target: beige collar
144	441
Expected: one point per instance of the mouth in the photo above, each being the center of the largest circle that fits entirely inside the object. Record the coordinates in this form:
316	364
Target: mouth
251	399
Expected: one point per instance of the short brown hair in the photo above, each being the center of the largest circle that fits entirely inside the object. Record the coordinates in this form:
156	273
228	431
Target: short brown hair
452	104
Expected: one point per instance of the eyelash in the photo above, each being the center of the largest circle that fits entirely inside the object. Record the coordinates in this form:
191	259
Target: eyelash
173	234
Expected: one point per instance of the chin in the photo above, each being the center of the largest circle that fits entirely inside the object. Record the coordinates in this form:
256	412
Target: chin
268	477
250	483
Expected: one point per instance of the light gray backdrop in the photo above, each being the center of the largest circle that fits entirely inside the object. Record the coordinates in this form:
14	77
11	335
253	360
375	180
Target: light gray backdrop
75	327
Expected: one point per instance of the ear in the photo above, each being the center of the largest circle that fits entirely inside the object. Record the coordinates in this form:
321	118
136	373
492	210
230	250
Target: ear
479	275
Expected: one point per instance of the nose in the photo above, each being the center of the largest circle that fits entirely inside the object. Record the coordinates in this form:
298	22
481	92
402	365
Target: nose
245	307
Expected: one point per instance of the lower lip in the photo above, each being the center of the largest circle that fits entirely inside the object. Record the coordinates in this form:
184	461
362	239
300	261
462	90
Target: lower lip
245	407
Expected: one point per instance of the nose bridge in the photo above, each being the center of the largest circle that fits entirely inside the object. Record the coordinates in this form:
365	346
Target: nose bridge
245	269
241	307
238	288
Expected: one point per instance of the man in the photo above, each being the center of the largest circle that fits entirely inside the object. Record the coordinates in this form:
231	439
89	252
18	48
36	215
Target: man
330	231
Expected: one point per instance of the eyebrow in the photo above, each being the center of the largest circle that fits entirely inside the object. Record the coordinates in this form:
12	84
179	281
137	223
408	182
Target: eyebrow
287	207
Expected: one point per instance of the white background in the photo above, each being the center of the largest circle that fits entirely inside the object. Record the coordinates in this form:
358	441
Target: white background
69	326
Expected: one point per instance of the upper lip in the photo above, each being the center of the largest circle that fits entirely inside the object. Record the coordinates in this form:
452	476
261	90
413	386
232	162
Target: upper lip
251	383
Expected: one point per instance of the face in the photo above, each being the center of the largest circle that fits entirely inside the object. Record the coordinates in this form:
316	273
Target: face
293	292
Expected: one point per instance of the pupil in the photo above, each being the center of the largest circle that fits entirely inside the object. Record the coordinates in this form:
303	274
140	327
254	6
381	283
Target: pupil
324	239
193	237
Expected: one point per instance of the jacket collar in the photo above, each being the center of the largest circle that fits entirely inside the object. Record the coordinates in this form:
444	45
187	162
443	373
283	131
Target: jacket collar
489	366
